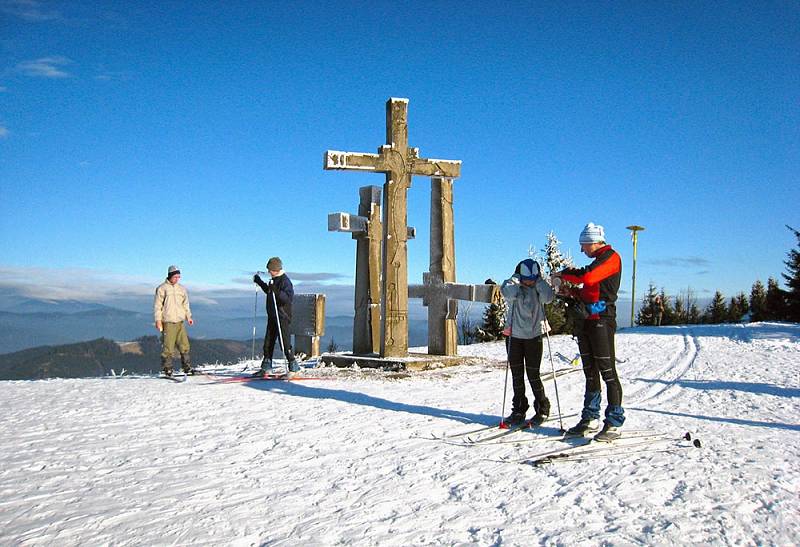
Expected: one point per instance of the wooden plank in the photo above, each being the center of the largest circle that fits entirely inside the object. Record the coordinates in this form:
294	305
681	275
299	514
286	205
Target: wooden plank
358	161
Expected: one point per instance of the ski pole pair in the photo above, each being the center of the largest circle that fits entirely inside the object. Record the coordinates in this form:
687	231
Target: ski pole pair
277	319
552	364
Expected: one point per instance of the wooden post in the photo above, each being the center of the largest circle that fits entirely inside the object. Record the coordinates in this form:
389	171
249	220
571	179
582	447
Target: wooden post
367	230
443	263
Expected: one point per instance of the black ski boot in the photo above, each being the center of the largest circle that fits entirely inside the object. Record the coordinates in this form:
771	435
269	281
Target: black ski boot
186	364
609	434
514	419
542	409
586	425
266	368
166	367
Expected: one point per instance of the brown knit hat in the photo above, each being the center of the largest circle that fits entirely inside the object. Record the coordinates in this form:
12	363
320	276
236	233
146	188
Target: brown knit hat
274	264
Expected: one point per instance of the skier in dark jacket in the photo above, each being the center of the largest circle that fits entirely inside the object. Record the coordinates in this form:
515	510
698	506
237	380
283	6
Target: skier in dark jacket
279	290
600	281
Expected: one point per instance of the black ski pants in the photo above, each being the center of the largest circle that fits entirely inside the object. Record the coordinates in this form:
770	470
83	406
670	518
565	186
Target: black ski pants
272	335
525	357
596	344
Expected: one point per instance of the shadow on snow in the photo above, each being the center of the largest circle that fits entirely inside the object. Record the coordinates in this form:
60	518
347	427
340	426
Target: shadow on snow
295	389
735	421
749	387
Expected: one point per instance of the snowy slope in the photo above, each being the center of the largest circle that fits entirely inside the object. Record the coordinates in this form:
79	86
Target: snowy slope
340	461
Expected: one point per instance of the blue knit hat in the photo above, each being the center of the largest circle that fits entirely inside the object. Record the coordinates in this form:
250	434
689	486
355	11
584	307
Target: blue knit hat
528	270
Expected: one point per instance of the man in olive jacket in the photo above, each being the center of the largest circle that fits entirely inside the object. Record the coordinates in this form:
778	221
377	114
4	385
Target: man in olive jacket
171	309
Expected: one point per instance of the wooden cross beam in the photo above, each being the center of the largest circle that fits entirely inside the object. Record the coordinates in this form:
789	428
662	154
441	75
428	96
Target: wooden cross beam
441	300
399	162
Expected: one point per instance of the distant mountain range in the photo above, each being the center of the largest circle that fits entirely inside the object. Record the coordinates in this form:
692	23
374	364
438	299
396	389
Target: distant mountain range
31	323
99	357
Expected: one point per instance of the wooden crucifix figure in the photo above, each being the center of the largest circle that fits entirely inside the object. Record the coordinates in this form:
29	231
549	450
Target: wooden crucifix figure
399	162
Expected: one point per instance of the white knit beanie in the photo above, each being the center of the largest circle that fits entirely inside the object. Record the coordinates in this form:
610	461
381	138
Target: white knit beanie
592	233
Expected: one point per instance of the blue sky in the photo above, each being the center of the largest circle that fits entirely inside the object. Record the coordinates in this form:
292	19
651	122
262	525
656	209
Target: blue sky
138	135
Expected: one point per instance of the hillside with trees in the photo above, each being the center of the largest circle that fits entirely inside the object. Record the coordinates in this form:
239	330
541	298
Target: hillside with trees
99	357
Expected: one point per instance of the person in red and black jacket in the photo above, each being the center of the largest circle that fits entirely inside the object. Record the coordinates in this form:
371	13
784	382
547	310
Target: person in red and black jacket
600	283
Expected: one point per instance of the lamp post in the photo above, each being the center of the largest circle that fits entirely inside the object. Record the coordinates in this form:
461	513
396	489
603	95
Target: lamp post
635	238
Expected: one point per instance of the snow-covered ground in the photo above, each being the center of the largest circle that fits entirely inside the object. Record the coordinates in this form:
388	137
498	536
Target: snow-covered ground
341	460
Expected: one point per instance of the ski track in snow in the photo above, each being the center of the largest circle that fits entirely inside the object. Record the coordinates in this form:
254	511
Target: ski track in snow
140	461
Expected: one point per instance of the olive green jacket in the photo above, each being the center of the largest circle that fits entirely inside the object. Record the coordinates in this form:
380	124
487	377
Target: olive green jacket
171	304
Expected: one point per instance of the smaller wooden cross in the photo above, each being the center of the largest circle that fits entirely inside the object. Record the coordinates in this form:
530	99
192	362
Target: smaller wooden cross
439	291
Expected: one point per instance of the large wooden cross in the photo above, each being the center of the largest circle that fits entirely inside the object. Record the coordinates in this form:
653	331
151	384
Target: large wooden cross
399	162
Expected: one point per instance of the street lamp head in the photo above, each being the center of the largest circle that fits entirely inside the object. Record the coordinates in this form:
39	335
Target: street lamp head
635	228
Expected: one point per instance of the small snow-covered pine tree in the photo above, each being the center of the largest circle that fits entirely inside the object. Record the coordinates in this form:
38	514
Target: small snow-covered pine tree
555	261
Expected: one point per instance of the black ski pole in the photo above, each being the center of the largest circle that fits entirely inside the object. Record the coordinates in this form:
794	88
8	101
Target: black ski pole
552	365
278	320
550	353
255	315
255	312
508	365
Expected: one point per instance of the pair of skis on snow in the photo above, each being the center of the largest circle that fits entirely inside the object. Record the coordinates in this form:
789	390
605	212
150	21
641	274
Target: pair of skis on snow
219	378
580	449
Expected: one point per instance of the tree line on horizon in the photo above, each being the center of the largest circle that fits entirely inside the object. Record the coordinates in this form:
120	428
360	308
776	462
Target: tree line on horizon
764	304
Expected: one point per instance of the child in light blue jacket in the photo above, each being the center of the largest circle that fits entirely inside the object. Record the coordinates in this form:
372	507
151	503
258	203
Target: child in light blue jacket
526	293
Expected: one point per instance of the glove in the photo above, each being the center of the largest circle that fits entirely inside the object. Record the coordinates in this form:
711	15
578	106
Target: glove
596	307
256	278
556	281
514	280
